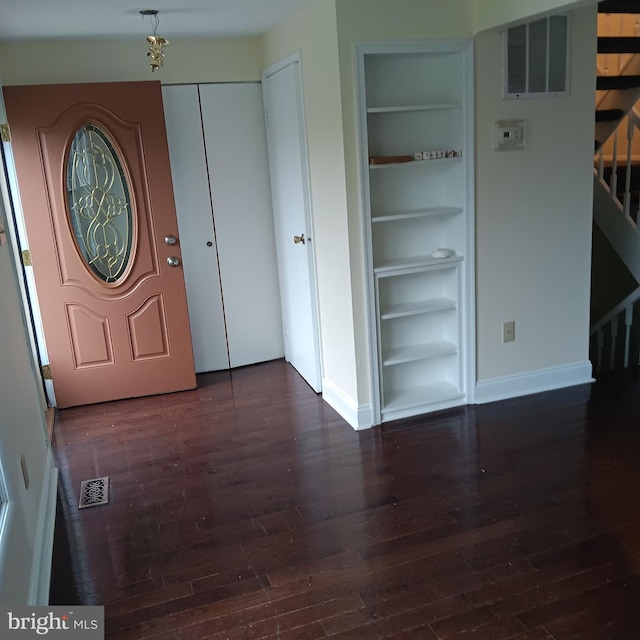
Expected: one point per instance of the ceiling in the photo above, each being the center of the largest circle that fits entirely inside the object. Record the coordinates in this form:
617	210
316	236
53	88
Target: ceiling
37	19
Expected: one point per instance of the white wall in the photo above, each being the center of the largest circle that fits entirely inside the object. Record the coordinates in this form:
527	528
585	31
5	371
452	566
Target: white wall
369	21
313	31
22	431
187	61
533	215
510	206
544	221
325	32
533	207
488	14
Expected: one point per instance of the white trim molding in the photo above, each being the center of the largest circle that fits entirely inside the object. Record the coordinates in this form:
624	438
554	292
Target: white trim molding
523	384
358	416
43	546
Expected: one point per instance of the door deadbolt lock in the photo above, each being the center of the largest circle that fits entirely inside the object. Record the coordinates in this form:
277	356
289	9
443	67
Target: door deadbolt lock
170	240
173	261
299	239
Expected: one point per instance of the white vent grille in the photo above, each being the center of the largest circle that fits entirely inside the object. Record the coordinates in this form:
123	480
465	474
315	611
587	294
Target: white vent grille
536	58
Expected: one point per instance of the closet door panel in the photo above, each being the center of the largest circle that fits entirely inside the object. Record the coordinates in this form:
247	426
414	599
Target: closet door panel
235	141
195	224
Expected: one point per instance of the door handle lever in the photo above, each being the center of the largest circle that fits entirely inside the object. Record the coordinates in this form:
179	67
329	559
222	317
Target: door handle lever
299	239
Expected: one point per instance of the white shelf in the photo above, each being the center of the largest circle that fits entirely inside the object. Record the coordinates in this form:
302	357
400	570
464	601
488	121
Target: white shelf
420	396
415	261
416	107
412	353
416	308
413	163
417	96
416	213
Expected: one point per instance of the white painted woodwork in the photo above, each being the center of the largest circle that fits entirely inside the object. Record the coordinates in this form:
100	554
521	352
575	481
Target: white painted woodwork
195	222
217	145
604	333
235	140
290	192
18	233
416	98
613	214
26	519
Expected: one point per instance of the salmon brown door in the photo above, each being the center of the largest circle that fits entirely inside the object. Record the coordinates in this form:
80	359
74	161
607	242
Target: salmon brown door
95	184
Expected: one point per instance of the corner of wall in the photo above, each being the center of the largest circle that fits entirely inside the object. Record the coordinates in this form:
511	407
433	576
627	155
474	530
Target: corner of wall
360	417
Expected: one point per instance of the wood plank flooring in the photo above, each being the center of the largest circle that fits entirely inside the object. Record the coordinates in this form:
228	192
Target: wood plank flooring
249	509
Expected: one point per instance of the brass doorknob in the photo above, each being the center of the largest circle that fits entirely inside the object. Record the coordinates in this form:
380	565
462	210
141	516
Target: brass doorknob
299	239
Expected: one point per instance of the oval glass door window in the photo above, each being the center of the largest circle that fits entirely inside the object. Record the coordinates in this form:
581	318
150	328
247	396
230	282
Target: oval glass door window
99	204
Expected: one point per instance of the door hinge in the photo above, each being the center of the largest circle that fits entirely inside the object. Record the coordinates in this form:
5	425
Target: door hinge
266	117
26	258
5	132
46	372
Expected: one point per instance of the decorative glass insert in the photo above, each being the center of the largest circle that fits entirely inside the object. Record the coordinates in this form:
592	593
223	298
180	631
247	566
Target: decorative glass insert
99	203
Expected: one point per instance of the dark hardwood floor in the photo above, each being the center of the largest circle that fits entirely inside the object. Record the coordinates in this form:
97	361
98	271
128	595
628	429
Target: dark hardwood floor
248	509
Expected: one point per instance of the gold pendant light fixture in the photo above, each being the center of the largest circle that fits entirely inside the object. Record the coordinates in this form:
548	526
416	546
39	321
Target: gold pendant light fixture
156	42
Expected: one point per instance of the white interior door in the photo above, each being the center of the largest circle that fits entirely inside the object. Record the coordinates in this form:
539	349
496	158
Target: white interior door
195	221
282	90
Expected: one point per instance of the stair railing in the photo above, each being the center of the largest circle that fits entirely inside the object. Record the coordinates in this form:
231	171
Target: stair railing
605	332
624	134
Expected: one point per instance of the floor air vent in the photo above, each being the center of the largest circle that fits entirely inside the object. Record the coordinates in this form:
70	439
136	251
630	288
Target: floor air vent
94	492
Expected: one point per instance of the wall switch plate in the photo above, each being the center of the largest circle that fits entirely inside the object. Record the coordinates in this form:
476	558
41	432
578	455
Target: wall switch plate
509	135
509	331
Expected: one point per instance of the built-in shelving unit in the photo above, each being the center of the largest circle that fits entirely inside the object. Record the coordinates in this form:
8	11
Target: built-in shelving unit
415	102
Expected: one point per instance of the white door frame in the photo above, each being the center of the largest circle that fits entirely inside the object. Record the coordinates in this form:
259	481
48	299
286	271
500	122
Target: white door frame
17	232
295	59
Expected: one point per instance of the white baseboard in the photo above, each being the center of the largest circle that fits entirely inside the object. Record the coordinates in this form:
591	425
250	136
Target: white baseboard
523	384
359	417
43	546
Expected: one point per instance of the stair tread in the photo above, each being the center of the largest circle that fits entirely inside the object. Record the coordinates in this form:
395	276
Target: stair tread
617	82
608	115
618	6
618	44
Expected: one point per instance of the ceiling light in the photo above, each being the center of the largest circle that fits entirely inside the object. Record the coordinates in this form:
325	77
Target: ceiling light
156	42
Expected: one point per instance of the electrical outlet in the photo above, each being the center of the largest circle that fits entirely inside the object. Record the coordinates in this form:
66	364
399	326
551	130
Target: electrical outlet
509	331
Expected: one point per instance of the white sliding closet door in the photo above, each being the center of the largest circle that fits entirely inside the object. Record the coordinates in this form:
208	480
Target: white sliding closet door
195	223
217	147
235	139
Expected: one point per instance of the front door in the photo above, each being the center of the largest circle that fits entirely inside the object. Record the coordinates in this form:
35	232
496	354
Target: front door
95	183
